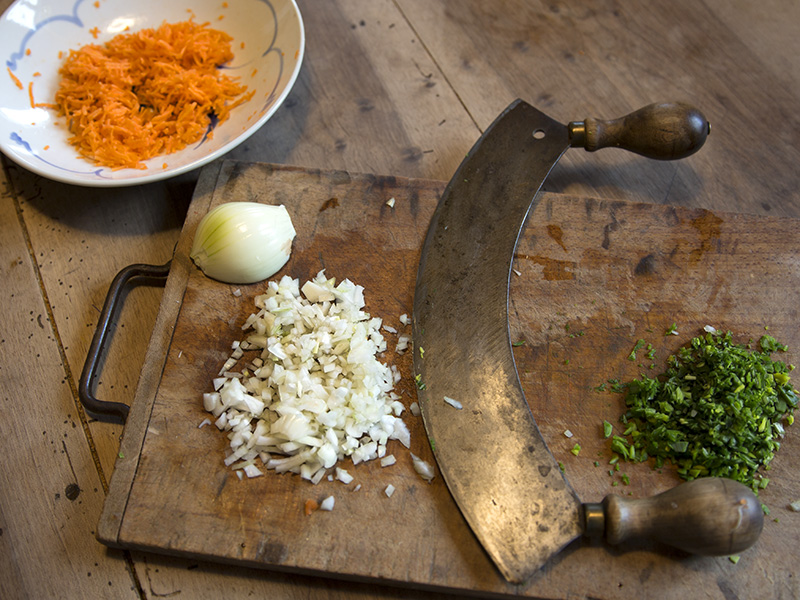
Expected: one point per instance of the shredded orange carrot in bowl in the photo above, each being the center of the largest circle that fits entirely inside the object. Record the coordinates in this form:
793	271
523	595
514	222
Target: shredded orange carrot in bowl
147	93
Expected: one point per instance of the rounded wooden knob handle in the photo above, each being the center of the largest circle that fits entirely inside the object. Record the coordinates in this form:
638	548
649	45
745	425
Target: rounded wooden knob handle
712	516
665	131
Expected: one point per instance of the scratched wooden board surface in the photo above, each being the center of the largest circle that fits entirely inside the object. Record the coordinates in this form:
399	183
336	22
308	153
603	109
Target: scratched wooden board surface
593	278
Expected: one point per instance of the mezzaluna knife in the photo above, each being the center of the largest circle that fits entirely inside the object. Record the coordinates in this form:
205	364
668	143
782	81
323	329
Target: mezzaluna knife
491	454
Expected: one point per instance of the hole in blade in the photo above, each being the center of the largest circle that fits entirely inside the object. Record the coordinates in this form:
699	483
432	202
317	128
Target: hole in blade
538	134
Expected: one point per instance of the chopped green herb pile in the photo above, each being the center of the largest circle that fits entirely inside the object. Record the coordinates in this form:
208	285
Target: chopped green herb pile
719	410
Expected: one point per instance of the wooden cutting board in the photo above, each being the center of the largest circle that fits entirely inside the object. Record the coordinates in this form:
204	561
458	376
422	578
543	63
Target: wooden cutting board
593	277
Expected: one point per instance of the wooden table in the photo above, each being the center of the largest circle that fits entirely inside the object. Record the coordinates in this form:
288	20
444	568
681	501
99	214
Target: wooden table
394	88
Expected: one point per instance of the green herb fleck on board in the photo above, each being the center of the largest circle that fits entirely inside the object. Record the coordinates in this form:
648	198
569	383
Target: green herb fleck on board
419	382
638	346
617	387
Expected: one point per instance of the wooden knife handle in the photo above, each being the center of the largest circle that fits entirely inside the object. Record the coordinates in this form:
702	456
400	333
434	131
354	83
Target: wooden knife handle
665	131
711	516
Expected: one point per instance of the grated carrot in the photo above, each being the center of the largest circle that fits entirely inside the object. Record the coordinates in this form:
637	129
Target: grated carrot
310	506
35	104
15	79
147	93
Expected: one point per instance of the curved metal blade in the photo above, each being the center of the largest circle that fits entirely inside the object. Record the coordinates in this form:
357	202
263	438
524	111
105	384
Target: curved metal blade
498	468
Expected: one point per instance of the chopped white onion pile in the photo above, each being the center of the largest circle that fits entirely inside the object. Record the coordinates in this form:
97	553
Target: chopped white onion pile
316	392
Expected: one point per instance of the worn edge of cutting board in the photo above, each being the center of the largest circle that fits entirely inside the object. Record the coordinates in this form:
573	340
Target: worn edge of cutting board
155	358
487	588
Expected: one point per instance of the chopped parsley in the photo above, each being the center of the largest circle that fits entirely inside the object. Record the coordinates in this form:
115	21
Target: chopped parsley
418	380
720	410
638	346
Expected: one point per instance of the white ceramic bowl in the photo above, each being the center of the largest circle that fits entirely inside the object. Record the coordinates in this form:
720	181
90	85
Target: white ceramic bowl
268	43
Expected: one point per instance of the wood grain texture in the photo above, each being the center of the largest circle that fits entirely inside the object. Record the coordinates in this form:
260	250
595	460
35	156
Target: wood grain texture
77	263
50	490
404	88
369	97
606	59
593	278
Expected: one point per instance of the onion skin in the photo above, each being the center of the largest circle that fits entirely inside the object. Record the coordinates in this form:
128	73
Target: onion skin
243	242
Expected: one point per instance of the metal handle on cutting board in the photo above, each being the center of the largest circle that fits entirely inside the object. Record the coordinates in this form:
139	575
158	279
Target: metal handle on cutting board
116	411
664	131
